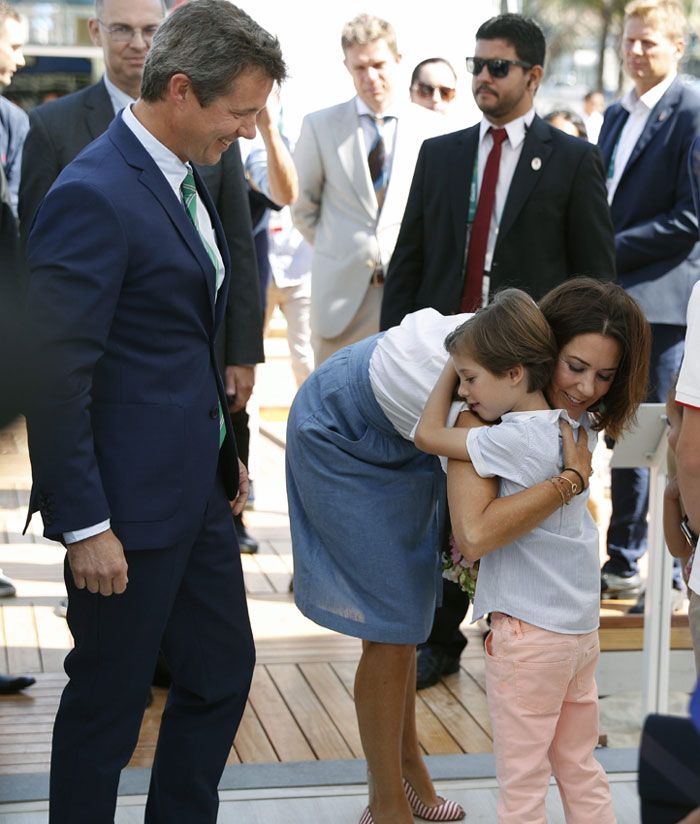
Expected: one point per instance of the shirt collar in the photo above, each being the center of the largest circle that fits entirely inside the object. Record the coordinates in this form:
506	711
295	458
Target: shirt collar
649	99
120	100
166	160
552	415
362	108
516	129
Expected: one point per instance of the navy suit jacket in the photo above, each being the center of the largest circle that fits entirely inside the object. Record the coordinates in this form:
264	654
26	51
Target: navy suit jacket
656	228
122	318
61	129
555	223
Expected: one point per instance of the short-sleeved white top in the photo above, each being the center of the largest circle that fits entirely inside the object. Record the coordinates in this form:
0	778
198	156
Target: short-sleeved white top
688	388
407	362
550	577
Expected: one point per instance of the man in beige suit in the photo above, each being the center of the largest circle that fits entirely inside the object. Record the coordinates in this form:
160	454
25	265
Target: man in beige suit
355	163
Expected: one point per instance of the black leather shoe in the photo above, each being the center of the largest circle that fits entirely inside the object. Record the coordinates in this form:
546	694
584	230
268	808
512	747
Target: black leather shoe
248	544
10	684
432	664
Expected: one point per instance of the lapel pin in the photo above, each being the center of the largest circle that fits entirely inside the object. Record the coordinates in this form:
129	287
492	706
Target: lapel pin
662	117
536	164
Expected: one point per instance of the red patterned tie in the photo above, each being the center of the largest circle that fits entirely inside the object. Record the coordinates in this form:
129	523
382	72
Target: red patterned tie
476	255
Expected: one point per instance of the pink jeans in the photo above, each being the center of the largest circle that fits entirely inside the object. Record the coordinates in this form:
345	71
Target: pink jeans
543	701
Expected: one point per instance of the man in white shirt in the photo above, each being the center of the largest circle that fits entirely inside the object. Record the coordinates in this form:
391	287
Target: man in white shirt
133	454
593	107
355	162
645	142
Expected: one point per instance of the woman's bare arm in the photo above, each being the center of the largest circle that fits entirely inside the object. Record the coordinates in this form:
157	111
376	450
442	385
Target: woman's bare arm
432	434
482	522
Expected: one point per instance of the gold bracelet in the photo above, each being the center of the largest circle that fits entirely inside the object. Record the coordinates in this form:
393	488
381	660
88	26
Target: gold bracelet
559	490
574	486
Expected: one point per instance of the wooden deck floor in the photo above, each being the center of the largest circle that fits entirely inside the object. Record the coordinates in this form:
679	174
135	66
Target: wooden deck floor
300	706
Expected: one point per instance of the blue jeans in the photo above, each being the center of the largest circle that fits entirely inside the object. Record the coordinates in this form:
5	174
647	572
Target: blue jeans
629	488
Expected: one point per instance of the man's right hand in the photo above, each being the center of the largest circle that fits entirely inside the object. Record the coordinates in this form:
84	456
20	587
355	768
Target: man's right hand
99	564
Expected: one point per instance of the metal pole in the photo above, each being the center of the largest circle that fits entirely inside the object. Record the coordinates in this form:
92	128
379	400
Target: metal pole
657	603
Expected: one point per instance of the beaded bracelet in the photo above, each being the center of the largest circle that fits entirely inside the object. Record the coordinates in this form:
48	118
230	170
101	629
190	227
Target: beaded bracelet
578	475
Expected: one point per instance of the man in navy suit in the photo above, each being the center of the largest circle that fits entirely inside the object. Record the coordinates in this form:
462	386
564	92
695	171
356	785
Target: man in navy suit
134	463
645	142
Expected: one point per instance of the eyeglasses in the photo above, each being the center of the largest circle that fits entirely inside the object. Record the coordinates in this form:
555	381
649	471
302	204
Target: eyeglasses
121	33
428	90
497	66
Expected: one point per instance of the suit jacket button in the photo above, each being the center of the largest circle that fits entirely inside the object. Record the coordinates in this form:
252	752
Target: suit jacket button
214	413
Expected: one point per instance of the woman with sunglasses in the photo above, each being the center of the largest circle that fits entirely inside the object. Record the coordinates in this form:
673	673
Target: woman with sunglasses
433	84
365	508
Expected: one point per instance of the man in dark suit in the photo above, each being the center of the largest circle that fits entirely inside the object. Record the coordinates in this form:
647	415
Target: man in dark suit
508	202
61	129
645	142
549	220
133	458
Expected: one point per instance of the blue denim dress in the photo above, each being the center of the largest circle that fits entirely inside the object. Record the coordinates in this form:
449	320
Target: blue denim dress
365	508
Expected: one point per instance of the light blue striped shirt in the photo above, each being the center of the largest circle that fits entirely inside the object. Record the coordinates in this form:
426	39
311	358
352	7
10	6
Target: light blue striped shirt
551	576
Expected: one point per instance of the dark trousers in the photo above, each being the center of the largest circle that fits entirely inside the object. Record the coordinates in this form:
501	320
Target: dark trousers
445	634
188	600
629	488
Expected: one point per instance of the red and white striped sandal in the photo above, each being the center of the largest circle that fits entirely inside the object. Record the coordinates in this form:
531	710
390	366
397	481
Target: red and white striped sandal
443	811
366	817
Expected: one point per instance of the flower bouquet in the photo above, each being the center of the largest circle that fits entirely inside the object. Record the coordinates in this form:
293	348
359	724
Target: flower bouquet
457	569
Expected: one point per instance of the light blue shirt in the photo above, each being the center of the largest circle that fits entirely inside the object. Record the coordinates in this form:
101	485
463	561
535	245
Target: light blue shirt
549	577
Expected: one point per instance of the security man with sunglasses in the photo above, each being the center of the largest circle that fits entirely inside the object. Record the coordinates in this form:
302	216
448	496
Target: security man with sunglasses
510	201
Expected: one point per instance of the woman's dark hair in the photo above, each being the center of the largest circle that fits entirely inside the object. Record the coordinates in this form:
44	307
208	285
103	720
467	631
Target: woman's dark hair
523	34
510	331
570	117
584	306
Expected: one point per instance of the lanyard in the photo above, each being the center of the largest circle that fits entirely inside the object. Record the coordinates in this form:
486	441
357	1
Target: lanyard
611	165
473	195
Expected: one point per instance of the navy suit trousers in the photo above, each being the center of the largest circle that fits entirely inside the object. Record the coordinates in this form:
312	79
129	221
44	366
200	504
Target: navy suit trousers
189	600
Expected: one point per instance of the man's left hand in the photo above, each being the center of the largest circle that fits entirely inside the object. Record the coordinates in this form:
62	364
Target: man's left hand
239	501
239	382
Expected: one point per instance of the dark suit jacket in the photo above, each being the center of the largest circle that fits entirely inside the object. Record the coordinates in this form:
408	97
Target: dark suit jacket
555	223
12	370
656	228
60	130
122	318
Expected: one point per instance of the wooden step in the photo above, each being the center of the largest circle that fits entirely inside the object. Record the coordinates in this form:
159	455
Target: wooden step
626	632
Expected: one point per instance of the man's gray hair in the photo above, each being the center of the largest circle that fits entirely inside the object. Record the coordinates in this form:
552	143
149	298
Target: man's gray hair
100	5
7	12
212	42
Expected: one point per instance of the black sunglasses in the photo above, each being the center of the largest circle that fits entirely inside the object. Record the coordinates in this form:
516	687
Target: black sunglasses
497	66
428	90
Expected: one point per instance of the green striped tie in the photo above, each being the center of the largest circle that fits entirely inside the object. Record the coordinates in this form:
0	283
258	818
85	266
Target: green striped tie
188	191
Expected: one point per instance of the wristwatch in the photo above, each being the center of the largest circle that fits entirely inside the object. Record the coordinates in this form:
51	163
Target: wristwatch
690	536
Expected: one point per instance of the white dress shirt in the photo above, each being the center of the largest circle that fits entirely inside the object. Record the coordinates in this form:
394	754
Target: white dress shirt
639	109
174	171
120	99
688	389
